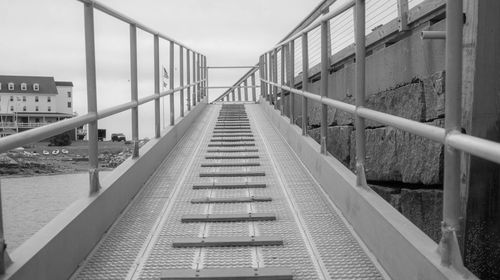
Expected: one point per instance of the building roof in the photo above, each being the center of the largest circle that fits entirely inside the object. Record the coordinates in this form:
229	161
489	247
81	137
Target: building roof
47	85
64	84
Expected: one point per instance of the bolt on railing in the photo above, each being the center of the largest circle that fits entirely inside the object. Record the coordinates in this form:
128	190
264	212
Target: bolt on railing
93	115
455	142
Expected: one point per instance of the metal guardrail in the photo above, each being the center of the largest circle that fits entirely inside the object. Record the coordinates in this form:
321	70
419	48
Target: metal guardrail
197	87
455	142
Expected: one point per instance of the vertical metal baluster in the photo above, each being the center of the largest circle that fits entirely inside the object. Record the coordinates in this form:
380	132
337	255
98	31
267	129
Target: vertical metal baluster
449	247
233	94
254	96
157	84
325	63
181	78
206	77
359	37
239	92
172	76
188	78
91	97
275	78
282	79
134	89
269	75
195	86
291	79
245	84
305	81
198	77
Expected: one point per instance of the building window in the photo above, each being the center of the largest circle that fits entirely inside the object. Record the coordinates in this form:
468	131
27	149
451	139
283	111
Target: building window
49	109
69	94
36	98
36	87
49	99
36	108
24	86
11	98
11	86
69	104
24	108
12	108
24	98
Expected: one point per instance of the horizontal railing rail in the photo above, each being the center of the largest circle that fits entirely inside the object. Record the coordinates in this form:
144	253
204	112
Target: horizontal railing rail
277	76
195	86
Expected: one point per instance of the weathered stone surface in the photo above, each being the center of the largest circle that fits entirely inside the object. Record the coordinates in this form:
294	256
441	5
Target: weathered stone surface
391	195
338	141
424	209
314	109
381	163
406	101
420	159
434	90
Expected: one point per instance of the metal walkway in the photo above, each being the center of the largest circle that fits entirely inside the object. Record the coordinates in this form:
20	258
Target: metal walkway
231	201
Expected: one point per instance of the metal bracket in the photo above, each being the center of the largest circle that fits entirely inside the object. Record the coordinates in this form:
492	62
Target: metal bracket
243	273
135	153
361	175
449	249
323	145
230	186
228	217
5	260
95	186
220	241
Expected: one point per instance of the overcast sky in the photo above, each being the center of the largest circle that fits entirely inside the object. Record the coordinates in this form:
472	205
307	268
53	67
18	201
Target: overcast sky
45	38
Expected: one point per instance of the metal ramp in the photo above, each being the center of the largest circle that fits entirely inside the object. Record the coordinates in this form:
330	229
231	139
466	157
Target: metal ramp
183	225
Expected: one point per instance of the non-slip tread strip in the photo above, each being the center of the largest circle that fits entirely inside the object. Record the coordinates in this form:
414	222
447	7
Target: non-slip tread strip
238	273
232	174
229	186
243	199
225	241
228	217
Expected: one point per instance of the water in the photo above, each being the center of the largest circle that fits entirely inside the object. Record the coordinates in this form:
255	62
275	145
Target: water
29	203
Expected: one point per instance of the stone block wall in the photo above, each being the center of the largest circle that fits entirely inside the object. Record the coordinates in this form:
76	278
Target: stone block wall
405	169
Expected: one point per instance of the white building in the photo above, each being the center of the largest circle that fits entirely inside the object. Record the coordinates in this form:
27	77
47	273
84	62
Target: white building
27	102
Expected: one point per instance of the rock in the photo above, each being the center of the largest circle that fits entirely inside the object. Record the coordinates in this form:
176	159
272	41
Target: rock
391	195
338	141
434	94
420	160
424	209
314	110
381	163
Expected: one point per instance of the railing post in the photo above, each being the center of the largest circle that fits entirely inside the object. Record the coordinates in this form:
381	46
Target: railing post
359	39
205	75
198	77
254	96
282	79
275	77
134	89
402	15
91	97
233	95
239	92
5	260
181	78
448	246
188	78
157	84
305	81
325	63
195	79
269	72
245	84
171	84
291	79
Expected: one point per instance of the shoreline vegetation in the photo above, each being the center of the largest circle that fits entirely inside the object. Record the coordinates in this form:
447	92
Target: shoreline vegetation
41	159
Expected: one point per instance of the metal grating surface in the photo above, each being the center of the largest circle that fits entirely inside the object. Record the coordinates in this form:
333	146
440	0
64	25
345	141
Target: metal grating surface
316	242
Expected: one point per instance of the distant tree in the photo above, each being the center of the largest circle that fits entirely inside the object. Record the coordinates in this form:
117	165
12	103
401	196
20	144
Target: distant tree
63	139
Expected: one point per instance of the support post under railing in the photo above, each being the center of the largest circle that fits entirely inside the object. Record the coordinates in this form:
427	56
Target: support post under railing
233	95
275	77
134	90
239	92
402	15
5	260
157	85
291	79
449	246
205	69
360	86
281	104
195	87
188	78
171	84
245	84
305	81
254	96
91	97
181	78
325	63
198	77
269	70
